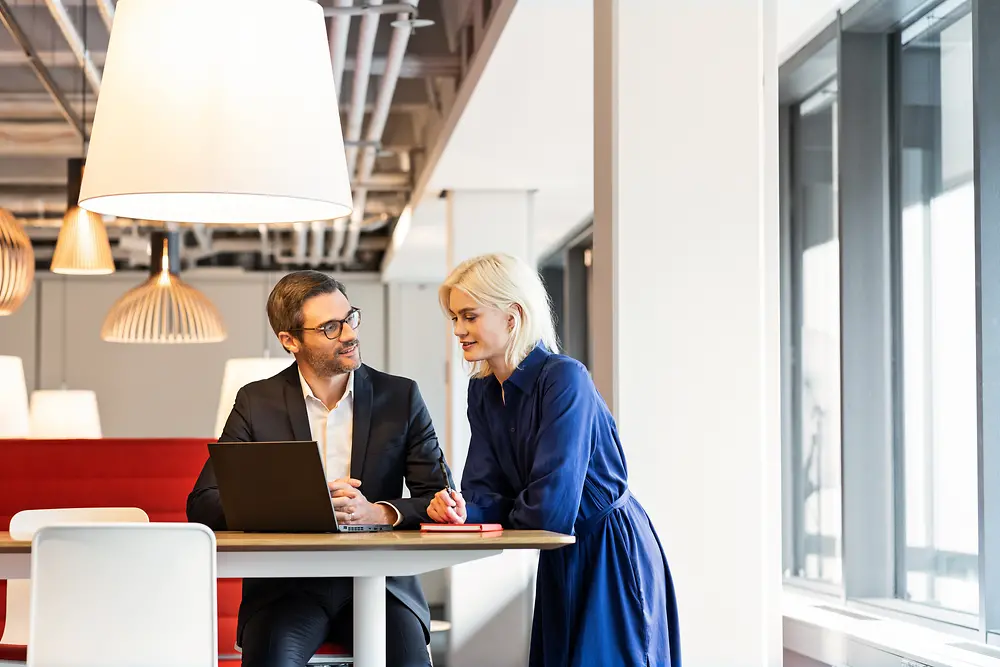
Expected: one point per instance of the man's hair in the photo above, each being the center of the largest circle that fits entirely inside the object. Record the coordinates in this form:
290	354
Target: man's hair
284	305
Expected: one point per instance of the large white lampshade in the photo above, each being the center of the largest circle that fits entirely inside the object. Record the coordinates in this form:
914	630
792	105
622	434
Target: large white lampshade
218	111
13	399
240	372
64	413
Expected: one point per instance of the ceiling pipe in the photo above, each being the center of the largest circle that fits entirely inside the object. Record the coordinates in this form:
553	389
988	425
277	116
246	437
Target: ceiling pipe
317	232
299	235
339	234
65	23
107	11
41	71
340	26
372	7
265	242
203	235
376	126
359	90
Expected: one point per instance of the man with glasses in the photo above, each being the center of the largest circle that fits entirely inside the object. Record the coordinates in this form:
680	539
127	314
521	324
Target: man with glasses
373	431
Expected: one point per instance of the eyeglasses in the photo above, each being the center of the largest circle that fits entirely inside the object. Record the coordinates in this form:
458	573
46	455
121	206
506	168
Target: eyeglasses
334	328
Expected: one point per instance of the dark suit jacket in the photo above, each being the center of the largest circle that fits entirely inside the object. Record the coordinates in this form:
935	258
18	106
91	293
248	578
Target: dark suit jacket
393	439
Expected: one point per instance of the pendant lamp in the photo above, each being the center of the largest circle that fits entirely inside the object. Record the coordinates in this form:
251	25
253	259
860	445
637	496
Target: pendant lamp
63	413
82	248
17	264
237	123
240	372
164	309
13	398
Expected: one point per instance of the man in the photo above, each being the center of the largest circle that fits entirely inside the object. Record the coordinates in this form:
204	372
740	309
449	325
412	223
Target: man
373	430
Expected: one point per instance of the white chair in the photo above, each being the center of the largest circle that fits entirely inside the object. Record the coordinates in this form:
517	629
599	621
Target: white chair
23	526
121	595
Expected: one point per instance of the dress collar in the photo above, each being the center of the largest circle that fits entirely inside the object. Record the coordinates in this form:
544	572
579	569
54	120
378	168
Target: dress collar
525	375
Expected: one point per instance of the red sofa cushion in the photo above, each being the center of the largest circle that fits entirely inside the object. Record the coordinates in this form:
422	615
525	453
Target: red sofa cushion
155	475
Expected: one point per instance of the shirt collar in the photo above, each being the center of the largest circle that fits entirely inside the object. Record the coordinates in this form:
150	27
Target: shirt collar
307	391
525	375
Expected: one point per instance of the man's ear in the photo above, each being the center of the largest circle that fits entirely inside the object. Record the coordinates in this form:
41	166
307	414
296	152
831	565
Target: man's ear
289	342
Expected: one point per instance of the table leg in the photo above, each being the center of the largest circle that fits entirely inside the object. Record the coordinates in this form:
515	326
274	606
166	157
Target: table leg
369	621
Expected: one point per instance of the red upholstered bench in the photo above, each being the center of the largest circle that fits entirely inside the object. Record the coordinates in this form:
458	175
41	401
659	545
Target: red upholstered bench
155	475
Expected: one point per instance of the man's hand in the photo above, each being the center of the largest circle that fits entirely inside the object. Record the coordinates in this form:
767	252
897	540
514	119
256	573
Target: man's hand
447	507
351	506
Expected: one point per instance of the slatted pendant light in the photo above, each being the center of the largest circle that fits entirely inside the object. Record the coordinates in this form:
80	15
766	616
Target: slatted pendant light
164	309
82	248
17	264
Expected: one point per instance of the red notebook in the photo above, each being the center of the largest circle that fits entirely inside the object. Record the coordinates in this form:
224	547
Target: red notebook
461	527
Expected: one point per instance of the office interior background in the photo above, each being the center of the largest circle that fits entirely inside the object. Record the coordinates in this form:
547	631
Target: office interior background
887	150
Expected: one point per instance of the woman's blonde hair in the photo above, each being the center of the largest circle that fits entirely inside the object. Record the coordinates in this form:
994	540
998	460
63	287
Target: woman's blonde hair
503	282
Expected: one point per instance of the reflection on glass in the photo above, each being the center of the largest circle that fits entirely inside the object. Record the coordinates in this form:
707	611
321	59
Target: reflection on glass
817	504
938	316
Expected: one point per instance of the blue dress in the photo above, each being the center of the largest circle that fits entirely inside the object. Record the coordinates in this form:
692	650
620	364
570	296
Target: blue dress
549	458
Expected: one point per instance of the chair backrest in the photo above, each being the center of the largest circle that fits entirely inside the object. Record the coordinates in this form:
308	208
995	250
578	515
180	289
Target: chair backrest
121	595
26	523
23	526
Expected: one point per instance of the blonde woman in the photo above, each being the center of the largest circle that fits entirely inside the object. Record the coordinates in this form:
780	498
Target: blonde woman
545	455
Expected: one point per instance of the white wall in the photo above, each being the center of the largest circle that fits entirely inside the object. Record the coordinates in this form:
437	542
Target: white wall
156	390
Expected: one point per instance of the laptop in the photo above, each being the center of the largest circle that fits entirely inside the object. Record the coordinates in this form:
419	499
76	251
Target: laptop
277	487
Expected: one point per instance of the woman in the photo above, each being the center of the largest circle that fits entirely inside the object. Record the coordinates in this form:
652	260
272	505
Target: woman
545	455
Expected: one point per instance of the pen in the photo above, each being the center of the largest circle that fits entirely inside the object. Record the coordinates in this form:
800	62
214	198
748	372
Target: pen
444	473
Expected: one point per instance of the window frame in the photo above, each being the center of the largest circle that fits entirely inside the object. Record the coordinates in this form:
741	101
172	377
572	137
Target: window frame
869	29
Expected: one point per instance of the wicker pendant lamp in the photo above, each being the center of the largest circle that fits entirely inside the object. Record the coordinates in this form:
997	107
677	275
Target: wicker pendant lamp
82	248
164	309
17	264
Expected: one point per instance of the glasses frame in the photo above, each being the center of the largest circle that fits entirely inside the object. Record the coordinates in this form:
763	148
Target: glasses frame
335	325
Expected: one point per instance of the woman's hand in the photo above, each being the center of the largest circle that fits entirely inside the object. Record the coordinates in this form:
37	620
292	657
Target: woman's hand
447	507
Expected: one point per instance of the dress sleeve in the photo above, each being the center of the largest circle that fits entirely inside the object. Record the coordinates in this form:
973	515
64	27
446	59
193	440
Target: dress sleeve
487	496
565	443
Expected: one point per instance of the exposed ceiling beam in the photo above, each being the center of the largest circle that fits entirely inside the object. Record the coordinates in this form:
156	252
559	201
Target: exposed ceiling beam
83	58
381	182
413	67
38	106
41	71
52	138
107	10
57	58
454	15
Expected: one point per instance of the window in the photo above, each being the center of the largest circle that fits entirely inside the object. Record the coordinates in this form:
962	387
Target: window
568	275
937	541
816	505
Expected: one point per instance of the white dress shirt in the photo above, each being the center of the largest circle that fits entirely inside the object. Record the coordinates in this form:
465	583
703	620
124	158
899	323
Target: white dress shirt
333	431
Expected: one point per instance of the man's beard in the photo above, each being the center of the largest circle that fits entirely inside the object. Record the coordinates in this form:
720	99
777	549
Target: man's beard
327	364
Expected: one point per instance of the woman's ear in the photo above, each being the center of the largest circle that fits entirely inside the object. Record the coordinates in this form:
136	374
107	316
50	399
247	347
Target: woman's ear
516	312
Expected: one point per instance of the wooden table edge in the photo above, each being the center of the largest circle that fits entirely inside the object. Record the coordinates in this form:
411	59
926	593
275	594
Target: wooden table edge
235	542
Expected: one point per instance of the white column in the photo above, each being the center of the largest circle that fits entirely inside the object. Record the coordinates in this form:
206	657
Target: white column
490	601
686	263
